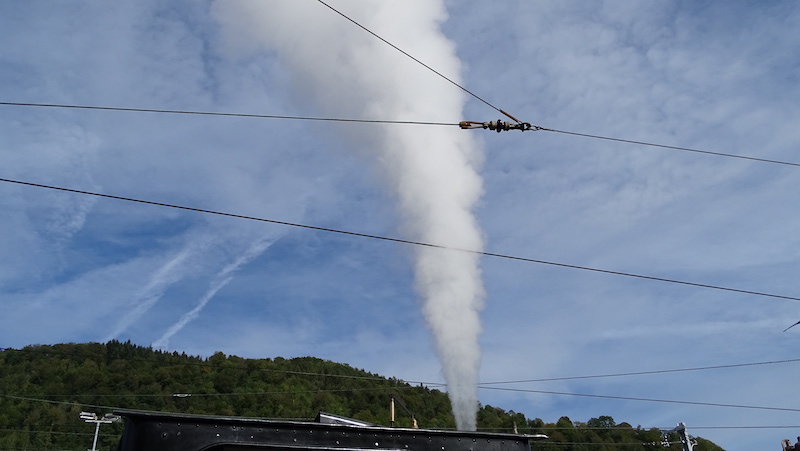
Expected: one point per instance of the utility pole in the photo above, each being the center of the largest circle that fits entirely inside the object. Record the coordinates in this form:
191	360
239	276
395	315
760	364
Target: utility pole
688	445
414	424
91	417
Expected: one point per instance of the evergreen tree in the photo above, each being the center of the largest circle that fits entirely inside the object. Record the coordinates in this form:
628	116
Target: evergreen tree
44	388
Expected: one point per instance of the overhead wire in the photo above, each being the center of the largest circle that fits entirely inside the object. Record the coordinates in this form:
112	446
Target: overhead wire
216	395
49	352
630	398
664	146
424	123
379	121
516	390
382	121
48	431
642	373
540	128
527	126
50	401
212	113
463	250
480	386
411	242
418	61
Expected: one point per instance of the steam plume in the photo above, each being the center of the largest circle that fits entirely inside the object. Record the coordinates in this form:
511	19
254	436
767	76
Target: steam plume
346	72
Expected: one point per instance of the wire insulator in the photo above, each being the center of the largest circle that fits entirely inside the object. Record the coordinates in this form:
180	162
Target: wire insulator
498	125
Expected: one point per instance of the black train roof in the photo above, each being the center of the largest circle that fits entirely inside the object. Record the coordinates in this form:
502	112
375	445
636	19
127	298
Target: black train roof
157	431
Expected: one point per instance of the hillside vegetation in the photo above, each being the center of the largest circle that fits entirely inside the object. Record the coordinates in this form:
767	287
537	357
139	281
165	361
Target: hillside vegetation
44	388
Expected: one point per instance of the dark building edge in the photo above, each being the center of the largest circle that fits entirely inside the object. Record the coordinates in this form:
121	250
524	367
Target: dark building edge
163	431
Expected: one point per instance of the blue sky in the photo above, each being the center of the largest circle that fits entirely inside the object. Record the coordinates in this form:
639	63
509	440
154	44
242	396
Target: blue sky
704	75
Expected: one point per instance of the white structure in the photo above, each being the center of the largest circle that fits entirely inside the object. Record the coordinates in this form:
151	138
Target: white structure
90	417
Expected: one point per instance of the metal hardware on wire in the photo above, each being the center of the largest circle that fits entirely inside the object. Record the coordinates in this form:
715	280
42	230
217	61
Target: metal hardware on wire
499	125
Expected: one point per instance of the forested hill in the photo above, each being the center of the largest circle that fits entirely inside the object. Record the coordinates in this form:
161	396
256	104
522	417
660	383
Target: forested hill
44	388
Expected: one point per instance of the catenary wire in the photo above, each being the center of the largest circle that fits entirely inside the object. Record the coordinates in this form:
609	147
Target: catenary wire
586	395
212	113
664	146
642	373
384	121
430	123
54	433
60	403
223	395
425	383
629	398
418	61
686	149
625	398
411	242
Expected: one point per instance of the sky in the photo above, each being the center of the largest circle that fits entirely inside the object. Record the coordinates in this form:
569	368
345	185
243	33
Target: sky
693	74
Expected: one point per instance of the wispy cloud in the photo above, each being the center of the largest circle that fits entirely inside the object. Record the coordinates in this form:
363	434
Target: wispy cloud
220	280
170	271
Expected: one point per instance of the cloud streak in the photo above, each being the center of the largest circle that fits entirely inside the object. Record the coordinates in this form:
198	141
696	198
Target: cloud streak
221	279
168	273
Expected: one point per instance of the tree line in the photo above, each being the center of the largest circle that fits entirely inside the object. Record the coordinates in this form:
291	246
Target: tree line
43	389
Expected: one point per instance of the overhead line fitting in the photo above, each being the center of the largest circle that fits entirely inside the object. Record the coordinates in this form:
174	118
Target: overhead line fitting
499	125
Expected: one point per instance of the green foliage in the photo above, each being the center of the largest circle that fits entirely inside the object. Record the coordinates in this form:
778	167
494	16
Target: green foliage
44	388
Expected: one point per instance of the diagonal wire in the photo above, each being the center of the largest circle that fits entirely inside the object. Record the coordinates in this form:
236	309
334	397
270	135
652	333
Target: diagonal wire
411	242
642	373
418	61
48	401
663	146
628	398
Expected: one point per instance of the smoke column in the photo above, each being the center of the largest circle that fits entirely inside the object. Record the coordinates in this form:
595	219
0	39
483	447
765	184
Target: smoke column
345	72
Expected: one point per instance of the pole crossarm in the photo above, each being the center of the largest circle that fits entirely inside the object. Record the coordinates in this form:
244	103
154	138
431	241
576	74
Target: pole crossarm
91	417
